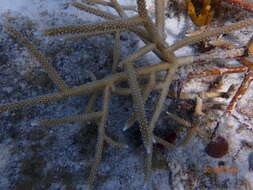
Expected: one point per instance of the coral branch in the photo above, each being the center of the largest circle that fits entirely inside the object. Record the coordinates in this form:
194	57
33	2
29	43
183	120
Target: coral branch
241	91
40	58
101	135
83	117
142	10
160	16
162	97
83	89
116	52
208	34
149	88
94	11
101	2
105	26
92	34
220	71
137	96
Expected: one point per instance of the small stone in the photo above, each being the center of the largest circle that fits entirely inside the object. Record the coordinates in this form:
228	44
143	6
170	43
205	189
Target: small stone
39	78
3	59
217	148
34	123
171	137
36	134
221	163
7	89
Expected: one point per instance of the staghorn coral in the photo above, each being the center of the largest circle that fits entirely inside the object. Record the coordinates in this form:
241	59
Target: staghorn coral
153	35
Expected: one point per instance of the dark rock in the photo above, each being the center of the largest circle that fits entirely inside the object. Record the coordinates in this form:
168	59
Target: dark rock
217	148
36	134
250	160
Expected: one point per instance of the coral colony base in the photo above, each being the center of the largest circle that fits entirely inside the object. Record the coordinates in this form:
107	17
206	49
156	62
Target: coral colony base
152	33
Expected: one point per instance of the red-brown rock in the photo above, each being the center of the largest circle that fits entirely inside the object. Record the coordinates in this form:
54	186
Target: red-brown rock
217	148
